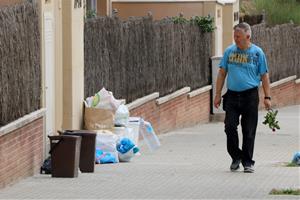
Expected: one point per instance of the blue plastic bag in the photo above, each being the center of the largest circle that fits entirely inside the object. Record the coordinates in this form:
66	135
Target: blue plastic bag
126	149
296	158
124	145
105	157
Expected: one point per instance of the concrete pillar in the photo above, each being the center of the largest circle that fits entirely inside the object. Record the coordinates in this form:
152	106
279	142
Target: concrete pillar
210	8
57	10
73	63
228	23
215	69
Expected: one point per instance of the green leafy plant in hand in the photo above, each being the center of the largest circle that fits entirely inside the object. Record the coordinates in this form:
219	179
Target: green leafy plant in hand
270	120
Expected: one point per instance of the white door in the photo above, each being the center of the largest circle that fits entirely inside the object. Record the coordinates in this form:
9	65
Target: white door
49	73
218	40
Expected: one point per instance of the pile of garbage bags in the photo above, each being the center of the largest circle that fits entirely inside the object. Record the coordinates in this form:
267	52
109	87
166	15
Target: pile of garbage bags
110	148
117	133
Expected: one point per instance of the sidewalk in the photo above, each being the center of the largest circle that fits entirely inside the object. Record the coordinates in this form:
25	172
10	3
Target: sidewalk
191	164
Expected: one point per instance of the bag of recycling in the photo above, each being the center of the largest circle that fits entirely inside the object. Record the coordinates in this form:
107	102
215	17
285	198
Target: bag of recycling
146	130
100	110
126	149
98	119
296	158
103	99
122	116
106	151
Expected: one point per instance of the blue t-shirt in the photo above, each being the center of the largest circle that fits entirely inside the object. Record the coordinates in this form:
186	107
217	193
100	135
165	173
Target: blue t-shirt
244	67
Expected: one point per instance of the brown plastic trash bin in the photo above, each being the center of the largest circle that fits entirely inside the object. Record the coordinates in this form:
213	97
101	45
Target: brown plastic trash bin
65	152
88	148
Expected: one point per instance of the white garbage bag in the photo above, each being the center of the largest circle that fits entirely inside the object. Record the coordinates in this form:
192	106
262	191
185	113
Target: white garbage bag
122	116
106	143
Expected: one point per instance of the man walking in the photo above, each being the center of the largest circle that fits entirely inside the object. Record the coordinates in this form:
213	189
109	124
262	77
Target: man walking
245	66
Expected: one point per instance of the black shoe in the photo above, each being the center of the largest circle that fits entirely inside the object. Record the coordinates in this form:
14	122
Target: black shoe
249	169
235	165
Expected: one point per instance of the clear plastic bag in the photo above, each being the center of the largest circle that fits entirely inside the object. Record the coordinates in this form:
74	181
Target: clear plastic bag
149	135
103	99
135	124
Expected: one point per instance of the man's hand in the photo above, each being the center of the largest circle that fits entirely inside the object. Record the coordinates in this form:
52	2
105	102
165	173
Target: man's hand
267	103
266	86
217	101
219	85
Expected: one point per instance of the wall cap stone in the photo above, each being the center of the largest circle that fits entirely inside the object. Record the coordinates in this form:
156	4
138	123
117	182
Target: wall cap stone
282	81
173	95
168	1
216	57
123	101
19	123
140	101
297	81
199	91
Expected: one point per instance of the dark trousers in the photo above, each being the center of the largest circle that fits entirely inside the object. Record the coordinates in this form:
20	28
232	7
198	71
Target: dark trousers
245	105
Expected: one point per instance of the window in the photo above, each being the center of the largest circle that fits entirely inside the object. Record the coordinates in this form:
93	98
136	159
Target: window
236	16
91	5
77	3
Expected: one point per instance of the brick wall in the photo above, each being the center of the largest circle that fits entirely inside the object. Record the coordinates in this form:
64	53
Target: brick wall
297	93
182	111
284	94
21	152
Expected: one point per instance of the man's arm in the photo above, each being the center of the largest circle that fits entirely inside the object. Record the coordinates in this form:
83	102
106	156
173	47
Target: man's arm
266	87
219	85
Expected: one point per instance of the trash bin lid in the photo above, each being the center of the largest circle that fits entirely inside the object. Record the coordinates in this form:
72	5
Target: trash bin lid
78	132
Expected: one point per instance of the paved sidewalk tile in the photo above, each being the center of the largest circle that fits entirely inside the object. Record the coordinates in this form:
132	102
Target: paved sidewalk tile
192	163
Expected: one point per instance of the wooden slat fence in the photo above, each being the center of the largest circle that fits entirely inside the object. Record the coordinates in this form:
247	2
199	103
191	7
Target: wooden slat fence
20	71
282	47
137	57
